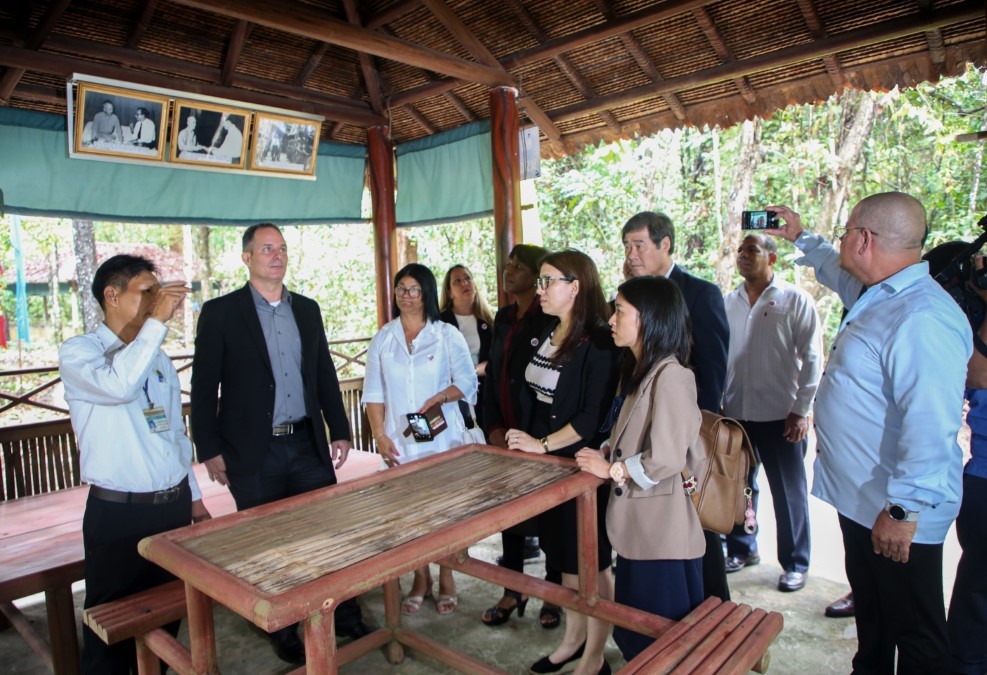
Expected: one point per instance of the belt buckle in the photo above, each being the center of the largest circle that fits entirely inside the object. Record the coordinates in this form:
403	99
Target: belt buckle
167	496
282	429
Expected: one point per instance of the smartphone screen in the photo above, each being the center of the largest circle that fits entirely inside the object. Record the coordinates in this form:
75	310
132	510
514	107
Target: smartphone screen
758	220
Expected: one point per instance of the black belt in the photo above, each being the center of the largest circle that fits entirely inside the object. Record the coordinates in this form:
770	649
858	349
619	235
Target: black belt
159	497
290	428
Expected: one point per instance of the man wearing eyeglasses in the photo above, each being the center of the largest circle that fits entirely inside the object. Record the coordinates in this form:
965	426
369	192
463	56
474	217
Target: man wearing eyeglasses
263	381
887	412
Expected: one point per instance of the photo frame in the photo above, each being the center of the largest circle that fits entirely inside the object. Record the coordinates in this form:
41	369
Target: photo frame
211	135
284	144
119	122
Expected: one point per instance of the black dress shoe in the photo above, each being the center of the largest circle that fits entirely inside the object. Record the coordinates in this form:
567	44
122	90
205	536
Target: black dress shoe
842	608
531	550
545	665
289	648
735	563
791	581
354	630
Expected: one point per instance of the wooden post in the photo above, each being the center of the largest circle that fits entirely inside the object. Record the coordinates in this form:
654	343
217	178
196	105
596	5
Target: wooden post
381	149
507	177
201	631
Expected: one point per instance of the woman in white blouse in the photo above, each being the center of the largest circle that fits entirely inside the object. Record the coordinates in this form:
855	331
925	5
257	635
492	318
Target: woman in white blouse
415	362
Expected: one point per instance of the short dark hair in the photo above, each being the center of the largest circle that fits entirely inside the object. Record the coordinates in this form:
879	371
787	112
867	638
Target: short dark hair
430	290
665	329
248	235
658	224
118	272
767	241
144	112
529	255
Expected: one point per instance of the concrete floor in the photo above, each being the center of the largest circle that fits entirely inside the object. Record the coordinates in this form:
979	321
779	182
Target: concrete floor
809	643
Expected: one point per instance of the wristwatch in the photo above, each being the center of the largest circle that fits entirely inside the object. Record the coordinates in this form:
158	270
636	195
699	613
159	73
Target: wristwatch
900	514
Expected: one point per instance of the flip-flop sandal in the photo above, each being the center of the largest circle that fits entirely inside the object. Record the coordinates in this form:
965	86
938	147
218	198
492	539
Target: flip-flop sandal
413	603
446	604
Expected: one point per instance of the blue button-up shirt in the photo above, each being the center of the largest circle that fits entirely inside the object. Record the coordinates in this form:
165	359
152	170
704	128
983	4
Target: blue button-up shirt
891	398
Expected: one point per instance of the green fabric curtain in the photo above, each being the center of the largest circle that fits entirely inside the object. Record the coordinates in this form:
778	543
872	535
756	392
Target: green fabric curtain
37	177
445	177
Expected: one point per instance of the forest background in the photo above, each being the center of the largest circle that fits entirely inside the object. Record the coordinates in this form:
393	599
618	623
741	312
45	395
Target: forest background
819	159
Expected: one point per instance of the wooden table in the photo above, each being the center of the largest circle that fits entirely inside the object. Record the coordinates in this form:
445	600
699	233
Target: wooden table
296	560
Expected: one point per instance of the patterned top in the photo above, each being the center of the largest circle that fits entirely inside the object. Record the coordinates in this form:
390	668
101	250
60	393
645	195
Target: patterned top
542	374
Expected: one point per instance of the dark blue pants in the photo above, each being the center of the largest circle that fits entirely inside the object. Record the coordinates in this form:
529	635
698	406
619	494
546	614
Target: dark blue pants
784	465
668	588
114	568
968	606
898	605
292	467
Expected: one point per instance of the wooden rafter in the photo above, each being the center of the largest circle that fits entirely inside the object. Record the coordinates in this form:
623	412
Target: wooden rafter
13	75
370	78
419	119
392	13
818	30
143	23
937	47
460	107
562	62
296	18
726	55
461	32
314	59
233	50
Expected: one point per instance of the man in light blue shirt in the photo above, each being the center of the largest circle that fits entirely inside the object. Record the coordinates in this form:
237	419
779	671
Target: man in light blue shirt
888	409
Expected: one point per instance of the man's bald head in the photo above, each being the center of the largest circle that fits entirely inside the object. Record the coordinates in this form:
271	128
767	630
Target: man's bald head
898	219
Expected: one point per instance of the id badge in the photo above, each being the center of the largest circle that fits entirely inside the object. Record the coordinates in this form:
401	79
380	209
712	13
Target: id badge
156	420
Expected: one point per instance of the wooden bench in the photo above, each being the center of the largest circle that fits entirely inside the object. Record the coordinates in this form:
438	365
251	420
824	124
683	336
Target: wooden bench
716	637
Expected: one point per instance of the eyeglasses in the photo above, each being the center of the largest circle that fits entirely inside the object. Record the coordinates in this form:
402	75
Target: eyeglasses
413	292
544	282
842	231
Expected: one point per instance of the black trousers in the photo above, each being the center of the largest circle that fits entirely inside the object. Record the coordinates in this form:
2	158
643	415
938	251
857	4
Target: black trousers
714	568
292	467
968	607
114	569
784	465
898	605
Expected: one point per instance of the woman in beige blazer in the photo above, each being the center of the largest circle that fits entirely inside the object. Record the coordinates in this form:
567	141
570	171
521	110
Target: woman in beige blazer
651	521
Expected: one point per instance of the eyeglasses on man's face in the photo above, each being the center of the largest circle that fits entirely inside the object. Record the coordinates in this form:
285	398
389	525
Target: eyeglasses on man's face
544	282
410	291
842	231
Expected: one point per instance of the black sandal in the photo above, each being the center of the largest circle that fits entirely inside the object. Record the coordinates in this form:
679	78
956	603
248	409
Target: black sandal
497	615
550	616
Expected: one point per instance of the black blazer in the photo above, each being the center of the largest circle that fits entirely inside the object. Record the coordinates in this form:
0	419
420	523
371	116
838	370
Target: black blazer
233	384
710	336
486	334
584	394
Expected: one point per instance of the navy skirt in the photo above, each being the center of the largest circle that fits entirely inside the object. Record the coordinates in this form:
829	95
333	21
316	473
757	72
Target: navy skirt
668	588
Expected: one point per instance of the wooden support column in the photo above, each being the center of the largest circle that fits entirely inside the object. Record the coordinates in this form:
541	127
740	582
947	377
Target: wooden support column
507	177
385	221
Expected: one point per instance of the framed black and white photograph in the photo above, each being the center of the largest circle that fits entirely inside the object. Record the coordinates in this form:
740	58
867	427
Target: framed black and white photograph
208	134
120	122
284	144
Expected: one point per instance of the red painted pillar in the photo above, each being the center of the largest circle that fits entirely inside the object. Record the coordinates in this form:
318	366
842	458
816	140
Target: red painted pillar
381	149
504	125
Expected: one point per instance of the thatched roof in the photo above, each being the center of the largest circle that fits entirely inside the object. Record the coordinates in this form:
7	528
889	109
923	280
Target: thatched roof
586	69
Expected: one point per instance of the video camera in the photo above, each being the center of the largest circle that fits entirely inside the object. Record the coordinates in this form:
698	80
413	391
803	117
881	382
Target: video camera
951	265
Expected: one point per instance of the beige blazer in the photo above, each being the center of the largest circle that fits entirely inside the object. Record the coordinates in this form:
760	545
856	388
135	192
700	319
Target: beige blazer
659	422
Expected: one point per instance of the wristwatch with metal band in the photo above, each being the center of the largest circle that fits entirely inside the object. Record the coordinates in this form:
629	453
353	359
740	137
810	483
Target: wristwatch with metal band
900	514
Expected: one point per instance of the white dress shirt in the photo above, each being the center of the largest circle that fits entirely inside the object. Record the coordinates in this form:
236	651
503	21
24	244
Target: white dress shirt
775	356
104	388
403	382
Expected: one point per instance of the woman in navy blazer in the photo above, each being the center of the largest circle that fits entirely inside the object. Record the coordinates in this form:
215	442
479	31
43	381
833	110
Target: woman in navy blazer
570	387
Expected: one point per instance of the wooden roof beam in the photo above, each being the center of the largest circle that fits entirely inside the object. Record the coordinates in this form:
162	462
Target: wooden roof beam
419	119
239	38
562	62
314	59
296	18
392	13
143	23
13	75
818	30
370	79
861	37
726	55
937	47
479	51
65	66
460	107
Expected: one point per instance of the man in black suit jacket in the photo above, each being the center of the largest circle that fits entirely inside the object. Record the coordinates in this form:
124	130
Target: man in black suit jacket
649	242
260	430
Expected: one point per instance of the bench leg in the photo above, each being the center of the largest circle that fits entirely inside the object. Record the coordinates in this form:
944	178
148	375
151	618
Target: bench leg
201	631
62	631
392	617
762	663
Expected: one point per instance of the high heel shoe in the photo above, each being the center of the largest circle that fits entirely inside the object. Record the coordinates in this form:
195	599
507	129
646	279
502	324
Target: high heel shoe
545	665
497	615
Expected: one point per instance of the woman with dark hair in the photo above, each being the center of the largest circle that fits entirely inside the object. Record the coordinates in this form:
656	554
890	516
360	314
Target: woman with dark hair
416	362
570	381
464	307
650	518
